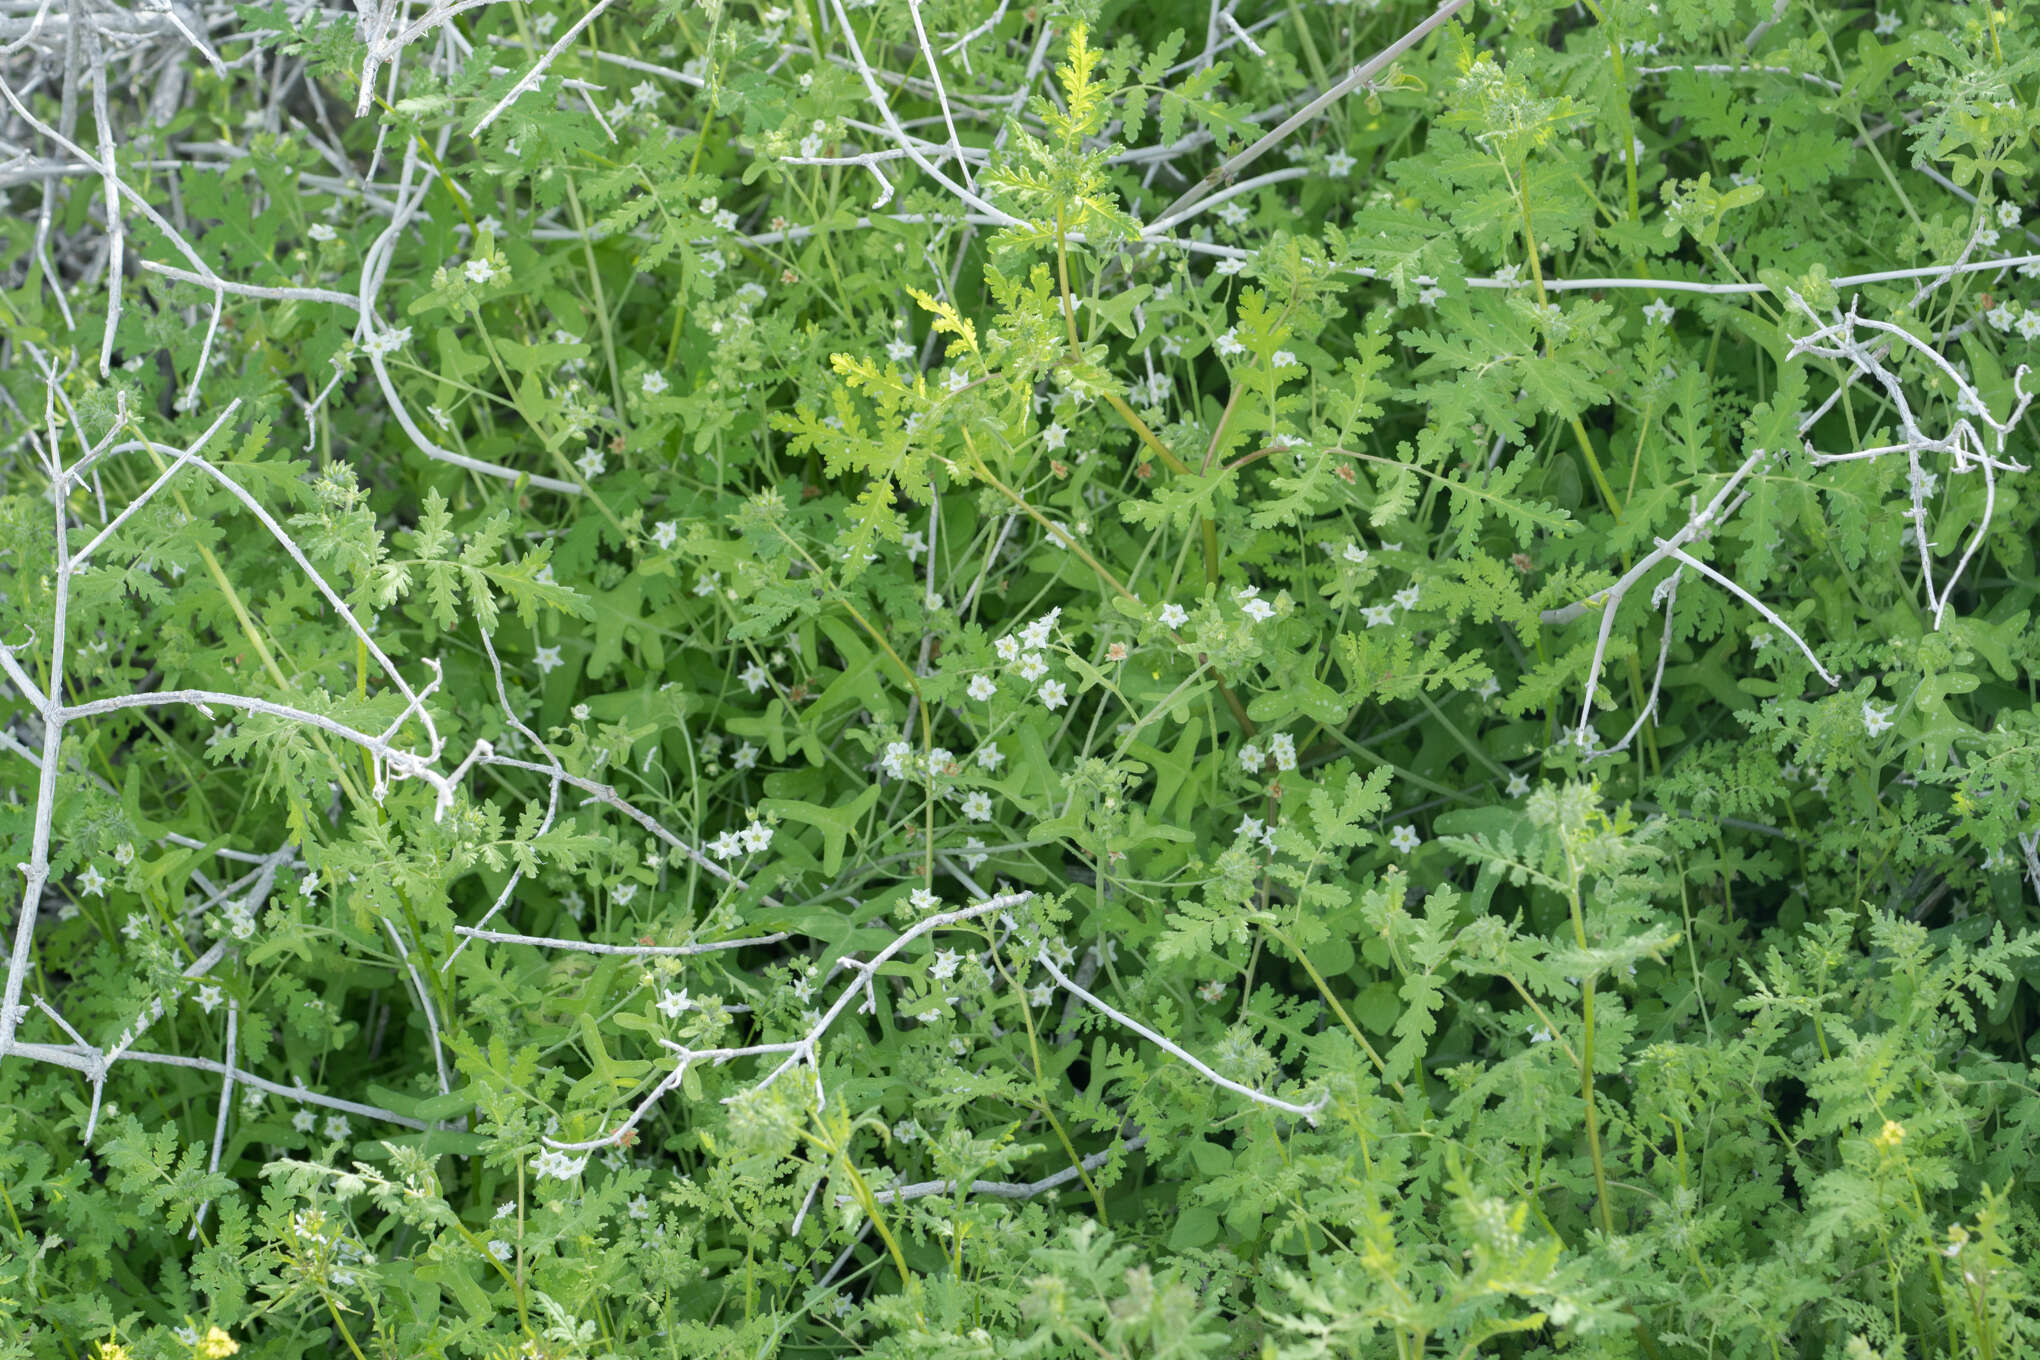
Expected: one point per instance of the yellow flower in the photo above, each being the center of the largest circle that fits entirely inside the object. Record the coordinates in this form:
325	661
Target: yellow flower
1890	1136
113	1350
216	1345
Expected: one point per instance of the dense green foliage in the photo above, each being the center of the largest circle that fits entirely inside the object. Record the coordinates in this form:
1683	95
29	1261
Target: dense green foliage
704	503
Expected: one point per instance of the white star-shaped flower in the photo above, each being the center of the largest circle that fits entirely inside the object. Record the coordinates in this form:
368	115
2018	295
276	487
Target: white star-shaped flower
480	271
1378	615
546	659
1659	312
304	1121
209	997
977	805
1054	695
1174	616
92	883
1877	720
1518	785
1055	436
1405	838
671	1004
1260	611
653	383
1340	164
1887	24
981	688
754	678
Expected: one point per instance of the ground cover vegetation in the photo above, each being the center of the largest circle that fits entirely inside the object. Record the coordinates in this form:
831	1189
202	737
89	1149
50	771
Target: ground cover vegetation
934	678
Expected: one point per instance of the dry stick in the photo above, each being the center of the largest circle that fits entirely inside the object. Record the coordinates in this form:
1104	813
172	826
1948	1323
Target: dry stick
219	1136
1006	1189
1353	80
537	72
803	1048
1308	1113
635	951
552	802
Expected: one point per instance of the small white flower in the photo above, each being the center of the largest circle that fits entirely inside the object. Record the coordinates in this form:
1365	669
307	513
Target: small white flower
304	1121
1378	615
1340	164
1055	436
1174	616
337	1127
1405	838
977	805
898	350
1228	344
92	883
1283	359
756	837
1035	635
592	463
745	757
1252	758
1231	265
671	1004
1260	611
653	383
1282	750
754	678
2008	215
209	997
1539	1034
990	757
1355	554
480	271
1659	312
1490	687
501	1250
1054	695
981	688
1407	596
1877	720
1887	24
1518	785
1032	667
924	899
546	659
